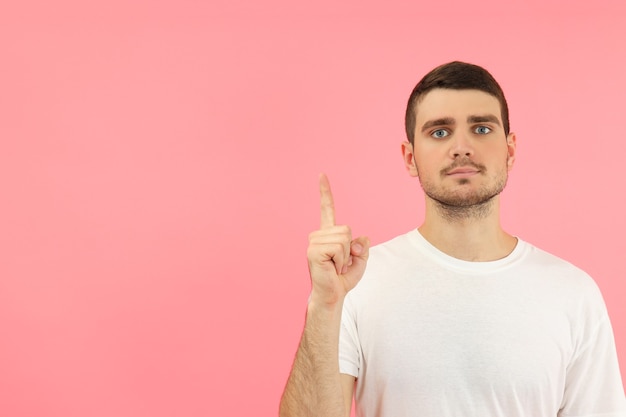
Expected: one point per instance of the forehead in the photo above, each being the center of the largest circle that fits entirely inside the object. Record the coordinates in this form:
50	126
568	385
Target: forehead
456	104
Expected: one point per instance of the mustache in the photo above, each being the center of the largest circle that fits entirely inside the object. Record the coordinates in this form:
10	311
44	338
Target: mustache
464	162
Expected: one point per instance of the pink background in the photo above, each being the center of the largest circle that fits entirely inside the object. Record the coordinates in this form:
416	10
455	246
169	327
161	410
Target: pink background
159	164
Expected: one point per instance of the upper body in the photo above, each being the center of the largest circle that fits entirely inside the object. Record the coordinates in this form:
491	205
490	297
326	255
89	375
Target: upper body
427	334
461	150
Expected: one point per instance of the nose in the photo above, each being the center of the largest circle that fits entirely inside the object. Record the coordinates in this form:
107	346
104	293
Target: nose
461	145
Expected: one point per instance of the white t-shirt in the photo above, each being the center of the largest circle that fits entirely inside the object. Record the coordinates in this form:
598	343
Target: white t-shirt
429	335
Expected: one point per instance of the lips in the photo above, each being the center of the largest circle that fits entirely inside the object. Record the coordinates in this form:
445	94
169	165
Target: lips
466	170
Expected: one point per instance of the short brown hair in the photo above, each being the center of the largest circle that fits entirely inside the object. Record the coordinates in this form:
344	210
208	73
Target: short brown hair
455	76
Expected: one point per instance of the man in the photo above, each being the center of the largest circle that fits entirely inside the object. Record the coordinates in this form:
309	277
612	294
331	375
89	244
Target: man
458	317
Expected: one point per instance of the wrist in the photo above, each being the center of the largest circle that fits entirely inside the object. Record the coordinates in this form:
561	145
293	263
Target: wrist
325	305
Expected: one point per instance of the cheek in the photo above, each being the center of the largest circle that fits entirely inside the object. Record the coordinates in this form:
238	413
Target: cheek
427	169
500	153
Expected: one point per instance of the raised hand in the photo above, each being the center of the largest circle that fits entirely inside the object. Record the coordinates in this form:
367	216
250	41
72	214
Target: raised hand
336	261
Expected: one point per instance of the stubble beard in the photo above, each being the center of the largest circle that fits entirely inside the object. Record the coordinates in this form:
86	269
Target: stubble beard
456	205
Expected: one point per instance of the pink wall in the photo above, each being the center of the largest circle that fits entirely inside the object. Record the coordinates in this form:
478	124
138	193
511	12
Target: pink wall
159	162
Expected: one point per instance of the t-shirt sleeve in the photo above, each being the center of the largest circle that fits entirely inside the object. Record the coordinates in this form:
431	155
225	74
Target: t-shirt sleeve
593	385
349	346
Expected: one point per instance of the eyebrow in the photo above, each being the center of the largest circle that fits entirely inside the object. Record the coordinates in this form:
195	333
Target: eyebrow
444	121
487	118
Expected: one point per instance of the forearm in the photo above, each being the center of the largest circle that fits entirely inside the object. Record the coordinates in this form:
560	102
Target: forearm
314	385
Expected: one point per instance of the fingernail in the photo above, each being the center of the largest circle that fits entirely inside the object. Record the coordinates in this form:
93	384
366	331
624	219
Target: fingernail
357	247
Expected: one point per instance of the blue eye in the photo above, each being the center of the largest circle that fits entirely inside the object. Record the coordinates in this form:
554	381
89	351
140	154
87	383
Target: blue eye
482	130
440	133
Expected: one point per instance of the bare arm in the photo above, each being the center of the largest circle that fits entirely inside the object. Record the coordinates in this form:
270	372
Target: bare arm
336	263
315	386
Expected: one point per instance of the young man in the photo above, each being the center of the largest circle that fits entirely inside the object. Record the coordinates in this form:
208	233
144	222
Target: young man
458	317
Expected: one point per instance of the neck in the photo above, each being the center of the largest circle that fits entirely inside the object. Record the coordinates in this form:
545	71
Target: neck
467	233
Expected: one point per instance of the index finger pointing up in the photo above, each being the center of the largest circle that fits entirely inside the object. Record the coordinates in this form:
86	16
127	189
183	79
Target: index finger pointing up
327	204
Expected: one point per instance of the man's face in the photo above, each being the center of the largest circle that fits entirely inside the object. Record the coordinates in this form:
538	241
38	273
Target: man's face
460	152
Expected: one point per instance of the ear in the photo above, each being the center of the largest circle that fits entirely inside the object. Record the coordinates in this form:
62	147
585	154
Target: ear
409	159
511	143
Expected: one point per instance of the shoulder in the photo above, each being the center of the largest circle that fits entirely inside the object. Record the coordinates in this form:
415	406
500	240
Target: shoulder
556	268
402	246
569	283
393	266
393	256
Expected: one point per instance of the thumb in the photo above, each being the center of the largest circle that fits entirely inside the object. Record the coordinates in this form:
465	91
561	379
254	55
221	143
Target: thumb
359	250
